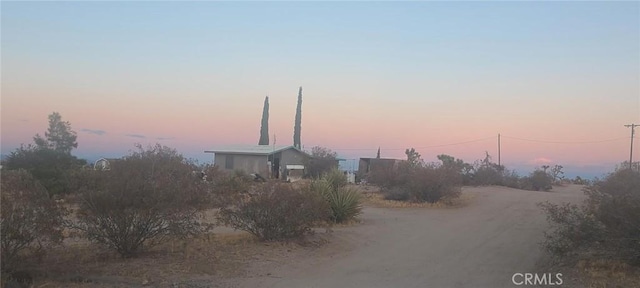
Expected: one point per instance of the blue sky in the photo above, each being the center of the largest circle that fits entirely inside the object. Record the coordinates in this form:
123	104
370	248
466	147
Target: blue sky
193	75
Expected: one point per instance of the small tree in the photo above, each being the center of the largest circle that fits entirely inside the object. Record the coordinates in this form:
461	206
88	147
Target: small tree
264	127
322	161
145	197
30	219
58	136
413	157
556	173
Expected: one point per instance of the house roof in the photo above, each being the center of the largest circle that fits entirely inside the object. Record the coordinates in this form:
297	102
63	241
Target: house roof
252	149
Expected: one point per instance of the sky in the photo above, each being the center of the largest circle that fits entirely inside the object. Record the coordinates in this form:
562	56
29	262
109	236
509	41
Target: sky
557	80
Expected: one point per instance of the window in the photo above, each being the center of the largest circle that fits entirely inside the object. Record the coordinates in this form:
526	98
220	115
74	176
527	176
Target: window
228	162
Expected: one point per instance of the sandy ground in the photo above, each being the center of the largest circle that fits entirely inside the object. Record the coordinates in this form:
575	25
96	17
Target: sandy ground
480	245
493	234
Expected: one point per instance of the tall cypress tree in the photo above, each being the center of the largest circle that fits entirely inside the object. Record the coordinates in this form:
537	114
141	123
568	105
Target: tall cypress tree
264	128
297	128
378	155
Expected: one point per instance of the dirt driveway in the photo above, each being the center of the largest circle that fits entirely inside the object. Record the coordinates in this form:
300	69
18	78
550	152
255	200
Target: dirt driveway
481	245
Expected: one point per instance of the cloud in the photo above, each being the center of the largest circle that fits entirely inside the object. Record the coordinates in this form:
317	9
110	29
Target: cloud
94	131
136	136
23	120
165	138
541	160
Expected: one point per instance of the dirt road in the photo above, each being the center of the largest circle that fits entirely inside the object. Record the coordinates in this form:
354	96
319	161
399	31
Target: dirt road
481	245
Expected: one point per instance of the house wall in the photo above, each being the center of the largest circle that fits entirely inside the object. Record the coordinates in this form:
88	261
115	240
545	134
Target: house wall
367	165
248	163
291	157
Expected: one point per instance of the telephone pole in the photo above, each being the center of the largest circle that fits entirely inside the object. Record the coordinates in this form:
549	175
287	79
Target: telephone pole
633	130
498	149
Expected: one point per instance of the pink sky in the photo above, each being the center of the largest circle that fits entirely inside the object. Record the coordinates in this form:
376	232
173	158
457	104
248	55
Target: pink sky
564	72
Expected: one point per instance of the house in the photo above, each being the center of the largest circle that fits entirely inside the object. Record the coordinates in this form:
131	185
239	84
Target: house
367	165
269	161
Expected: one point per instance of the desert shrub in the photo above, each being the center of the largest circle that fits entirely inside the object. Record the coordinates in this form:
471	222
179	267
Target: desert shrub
487	175
425	183
580	181
322	160
336	178
396	193
50	167
575	227
276	211
226	187
390	176
344	202
537	181
465	170
30	219
607	222
432	184
147	196
511	179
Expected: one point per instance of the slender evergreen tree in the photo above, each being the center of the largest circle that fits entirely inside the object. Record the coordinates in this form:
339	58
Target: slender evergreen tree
378	155
264	127
297	127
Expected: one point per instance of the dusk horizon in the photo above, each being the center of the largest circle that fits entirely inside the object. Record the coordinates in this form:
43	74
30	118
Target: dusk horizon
557	80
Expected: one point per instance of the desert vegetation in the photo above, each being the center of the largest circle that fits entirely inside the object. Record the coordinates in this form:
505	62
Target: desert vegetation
604	226
145	198
276	211
344	202
31	221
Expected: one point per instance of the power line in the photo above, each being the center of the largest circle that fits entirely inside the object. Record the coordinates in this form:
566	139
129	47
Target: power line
487	138
566	142
422	147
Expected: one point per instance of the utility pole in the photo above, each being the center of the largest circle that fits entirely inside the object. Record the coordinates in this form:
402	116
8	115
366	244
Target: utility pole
633	129
498	149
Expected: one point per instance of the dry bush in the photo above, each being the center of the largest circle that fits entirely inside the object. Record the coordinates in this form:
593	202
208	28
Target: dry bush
227	187
432	184
277	211
537	181
421	183
608	222
30	219
144	198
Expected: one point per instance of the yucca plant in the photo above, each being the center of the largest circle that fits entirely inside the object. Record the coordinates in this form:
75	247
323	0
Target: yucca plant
336	178
343	201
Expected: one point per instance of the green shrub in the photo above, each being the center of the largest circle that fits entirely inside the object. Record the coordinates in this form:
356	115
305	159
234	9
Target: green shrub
343	201
606	223
276	211
30	219
574	227
144	198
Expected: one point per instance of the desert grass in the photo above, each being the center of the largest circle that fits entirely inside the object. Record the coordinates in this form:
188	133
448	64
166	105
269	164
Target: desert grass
374	198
